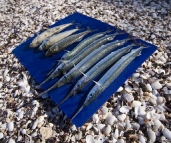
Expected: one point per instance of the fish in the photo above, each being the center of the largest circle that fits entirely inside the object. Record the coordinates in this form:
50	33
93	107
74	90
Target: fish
47	33
66	65
70	54
96	70
62	44
47	43
109	77
86	63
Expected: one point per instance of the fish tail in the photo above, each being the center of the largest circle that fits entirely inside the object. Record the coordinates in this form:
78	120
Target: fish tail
109	30
77	112
68	96
88	29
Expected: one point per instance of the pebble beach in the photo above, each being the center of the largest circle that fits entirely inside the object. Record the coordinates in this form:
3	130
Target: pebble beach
140	110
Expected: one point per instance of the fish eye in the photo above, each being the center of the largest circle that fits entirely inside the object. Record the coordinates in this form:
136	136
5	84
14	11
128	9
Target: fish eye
91	94
65	77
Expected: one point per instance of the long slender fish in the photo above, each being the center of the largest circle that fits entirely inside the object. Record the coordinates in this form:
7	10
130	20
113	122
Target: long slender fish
109	77
86	63
96	70
49	32
65	66
62	44
80	47
47	43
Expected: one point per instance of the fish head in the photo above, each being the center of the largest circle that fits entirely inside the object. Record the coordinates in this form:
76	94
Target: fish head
91	96
64	80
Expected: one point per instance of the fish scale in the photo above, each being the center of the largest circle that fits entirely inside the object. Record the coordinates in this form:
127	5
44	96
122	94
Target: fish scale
108	78
62	44
96	70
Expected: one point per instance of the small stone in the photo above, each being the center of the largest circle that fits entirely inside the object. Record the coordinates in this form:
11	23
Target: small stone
128	97
120	89
104	110
46	132
154	15
23	131
167	133
10	126
1	135
107	130
110	120
120	141
156	85
148	87
153	36
135	75
121	117
21	114
1	84
11	140
128	88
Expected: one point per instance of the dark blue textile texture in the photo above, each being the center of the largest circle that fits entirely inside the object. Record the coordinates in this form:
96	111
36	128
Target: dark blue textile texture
38	66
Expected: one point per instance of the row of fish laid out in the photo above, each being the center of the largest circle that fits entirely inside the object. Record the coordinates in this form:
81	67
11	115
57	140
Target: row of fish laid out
89	58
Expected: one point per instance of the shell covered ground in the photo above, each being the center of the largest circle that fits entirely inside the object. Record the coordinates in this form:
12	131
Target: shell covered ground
139	112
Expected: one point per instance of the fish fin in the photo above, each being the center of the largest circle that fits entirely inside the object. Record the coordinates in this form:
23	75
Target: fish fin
88	29
109	30
82	73
96	83
77	112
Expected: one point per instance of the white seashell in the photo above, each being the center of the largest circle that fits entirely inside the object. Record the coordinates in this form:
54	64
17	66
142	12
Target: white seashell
78	136
1	84
159	108
23	131
151	135
135	75
107	130
141	111
100	126
121	117
10	126
90	139
167	133
35	124
135	126
162	117
99	139
11	140
3	126
128	88
124	109
141	120
120	141
156	85
141	138
110	120
160	100
1	135
104	110
34	134
120	89
148	86
128	97
157	125
116	133
136	103
95	118
21	114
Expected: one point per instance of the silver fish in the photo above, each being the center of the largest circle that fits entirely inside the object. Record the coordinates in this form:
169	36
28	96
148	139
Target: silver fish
62	44
70	54
109	77
96	70
49	32
66	65
46	44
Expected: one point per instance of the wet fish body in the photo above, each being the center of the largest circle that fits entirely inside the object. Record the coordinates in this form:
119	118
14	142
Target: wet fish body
96	70
62	44
49	32
81	55
46	44
86	63
109	77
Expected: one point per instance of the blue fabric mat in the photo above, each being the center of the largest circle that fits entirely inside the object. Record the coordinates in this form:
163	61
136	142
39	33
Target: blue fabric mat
38	65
